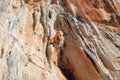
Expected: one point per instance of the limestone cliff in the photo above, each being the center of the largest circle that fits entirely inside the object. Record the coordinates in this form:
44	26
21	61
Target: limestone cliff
91	49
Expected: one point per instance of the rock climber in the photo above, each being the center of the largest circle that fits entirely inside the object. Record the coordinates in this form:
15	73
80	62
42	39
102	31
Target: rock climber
55	42
58	39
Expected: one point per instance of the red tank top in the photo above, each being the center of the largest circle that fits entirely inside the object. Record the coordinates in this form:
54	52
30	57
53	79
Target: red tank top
56	39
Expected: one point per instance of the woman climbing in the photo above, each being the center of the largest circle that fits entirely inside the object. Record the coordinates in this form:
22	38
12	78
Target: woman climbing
55	43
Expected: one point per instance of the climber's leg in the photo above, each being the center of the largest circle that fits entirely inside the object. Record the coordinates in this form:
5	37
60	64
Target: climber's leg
50	51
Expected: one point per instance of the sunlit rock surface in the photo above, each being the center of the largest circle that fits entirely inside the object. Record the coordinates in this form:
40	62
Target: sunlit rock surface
91	49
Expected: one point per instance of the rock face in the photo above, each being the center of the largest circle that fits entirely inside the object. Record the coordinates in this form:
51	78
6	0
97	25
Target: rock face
91	49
